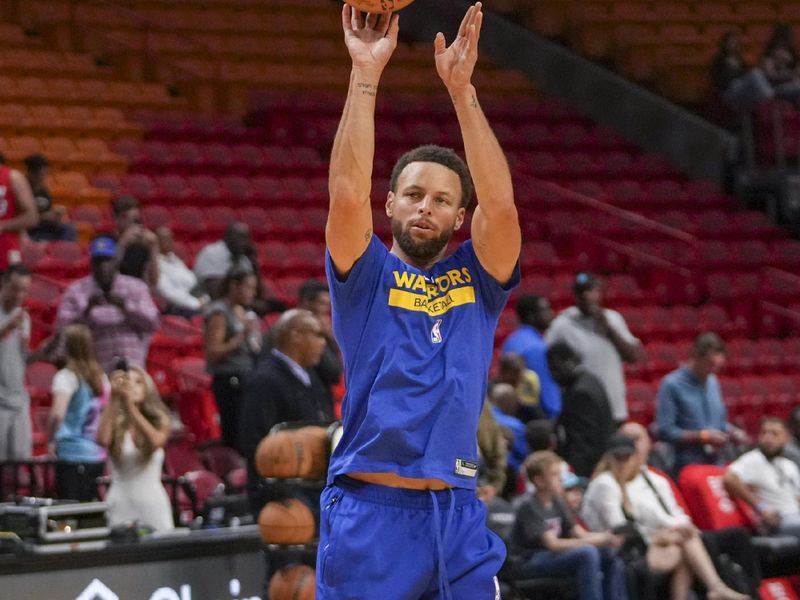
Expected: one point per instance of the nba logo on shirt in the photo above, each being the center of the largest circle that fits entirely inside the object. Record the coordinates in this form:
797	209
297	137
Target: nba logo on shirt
436	335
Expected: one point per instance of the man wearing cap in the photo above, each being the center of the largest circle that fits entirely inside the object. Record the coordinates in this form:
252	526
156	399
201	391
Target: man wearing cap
117	308
602	338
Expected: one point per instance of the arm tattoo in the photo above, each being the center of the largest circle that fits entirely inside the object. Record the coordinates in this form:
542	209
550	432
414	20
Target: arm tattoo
474	102
367	235
367	89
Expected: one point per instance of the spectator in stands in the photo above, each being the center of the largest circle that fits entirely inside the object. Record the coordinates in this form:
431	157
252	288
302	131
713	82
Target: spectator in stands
52	225
585	423
515	372
232	341
652	495
284	387
216	260
505	408
792	448
550	543
492	449
17	214
767	481
781	63
16	437
607	506
540	435
736	83
135	427
117	308
80	391
138	246
535	316
177	283
601	337
315	297
689	410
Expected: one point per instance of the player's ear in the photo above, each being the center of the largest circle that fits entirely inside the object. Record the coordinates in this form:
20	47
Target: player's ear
389	204
462	212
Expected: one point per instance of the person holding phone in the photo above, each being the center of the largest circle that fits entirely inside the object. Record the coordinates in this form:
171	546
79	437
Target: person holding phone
117	308
135	427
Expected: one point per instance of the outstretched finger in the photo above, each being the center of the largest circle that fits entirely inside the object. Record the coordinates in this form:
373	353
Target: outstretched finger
358	19
475	29
439	44
462	29
382	25
347	23
394	27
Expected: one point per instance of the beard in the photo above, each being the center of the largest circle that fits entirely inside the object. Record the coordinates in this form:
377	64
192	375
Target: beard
420	250
770	454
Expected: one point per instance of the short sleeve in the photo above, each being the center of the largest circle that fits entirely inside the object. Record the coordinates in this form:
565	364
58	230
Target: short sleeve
621	327
746	468
494	293
354	287
65	382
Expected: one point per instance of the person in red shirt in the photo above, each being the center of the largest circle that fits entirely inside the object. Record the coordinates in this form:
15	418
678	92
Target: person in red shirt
17	214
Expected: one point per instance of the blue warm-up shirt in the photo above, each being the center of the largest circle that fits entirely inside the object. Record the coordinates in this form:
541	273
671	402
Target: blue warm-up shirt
417	346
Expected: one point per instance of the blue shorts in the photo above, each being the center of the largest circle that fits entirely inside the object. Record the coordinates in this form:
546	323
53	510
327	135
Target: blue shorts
383	543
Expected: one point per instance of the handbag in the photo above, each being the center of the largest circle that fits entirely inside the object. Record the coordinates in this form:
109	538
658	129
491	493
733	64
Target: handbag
634	546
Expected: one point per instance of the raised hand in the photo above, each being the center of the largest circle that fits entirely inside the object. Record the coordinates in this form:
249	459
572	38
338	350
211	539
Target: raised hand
456	63
370	38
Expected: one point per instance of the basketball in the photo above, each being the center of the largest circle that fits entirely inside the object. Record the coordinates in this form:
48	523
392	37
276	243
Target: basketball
378	6
295	582
314	441
287	521
279	454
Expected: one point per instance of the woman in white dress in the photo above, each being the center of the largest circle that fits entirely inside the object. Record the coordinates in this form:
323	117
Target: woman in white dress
674	550
135	426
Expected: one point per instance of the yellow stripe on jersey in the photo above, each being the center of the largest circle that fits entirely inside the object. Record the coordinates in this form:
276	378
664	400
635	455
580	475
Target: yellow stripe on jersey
439	306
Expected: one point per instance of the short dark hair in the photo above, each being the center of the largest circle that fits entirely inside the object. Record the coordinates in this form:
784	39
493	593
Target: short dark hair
527	306
35	162
538	434
773	419
440	155
708	342
18	269
235	276
562	351
122	204
310	289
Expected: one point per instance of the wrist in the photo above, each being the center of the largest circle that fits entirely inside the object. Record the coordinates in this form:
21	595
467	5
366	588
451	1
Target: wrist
370	76
704	435
462	92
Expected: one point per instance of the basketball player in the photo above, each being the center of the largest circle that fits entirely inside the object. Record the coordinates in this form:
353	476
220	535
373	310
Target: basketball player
17	214
400	519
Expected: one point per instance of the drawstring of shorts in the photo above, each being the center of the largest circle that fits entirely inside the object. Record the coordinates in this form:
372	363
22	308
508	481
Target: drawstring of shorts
441	535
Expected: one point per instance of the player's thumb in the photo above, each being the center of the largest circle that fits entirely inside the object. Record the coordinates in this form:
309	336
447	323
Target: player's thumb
439	43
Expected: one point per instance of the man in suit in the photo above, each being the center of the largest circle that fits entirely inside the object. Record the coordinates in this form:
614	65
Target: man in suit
283	387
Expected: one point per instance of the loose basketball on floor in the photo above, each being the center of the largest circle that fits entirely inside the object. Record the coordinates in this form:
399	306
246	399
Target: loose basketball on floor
295	582
286	521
